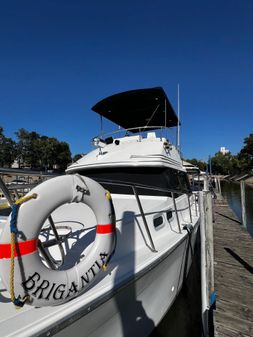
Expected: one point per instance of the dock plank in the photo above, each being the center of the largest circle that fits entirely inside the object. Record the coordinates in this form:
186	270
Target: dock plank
241	311
233	274
234	323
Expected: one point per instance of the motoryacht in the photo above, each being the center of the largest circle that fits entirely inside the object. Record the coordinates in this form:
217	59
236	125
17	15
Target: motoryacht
103	250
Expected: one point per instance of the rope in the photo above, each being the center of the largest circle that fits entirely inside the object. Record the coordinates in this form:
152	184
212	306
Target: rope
12	293
19	201
13	229
26	198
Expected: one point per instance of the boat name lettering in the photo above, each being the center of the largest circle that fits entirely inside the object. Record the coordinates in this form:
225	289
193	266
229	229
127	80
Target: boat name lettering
44	289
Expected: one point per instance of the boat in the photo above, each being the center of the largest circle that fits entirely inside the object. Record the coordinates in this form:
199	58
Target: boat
103	250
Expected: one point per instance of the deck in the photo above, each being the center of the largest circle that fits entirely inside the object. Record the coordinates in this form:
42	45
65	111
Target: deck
233	274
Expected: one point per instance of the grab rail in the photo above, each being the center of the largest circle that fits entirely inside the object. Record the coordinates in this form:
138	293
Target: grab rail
6	192
141	129
134	187
189	203
153	249
175	207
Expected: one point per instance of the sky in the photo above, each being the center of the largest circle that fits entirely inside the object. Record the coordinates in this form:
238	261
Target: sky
58	58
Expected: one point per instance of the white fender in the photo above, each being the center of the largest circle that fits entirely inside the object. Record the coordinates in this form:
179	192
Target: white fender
45	286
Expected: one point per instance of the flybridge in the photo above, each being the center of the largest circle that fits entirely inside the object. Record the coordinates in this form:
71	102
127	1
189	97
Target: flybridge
138	109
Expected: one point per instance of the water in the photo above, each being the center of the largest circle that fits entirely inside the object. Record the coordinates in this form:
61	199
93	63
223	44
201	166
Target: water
232	193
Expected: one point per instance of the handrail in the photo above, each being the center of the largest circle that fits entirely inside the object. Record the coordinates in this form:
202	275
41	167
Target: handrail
175	207
190	211
144	220
134	188
6	192
141	129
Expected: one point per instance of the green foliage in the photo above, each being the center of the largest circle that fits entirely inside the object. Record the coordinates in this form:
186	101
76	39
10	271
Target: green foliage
8	150
229	164
42	152
28	148
245	156
34	151
77	157
200	164
222	163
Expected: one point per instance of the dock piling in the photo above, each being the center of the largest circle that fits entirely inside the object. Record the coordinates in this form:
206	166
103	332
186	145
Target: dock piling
219	185
207	257
244	219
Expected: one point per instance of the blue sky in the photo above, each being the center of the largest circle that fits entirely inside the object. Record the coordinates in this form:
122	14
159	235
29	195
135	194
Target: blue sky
58	58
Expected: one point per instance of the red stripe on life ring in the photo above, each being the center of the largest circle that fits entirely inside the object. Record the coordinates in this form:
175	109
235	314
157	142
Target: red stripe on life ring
21	248
105	229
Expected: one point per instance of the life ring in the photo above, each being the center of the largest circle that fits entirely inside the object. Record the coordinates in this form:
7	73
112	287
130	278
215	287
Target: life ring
44	286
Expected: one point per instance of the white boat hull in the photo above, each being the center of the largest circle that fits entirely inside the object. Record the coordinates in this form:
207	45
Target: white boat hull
138	307
153	203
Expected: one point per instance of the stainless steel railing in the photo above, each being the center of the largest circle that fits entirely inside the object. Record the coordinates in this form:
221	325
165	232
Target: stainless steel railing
135	188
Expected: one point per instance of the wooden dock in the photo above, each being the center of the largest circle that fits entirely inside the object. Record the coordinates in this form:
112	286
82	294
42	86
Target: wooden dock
233	274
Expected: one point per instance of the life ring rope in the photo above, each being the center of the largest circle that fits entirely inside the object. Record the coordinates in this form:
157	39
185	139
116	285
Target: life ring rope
13	229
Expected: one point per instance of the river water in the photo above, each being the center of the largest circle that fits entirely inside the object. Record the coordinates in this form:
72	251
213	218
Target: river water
232	193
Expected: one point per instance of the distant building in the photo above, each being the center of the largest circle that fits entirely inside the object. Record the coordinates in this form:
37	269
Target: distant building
15	164
223	150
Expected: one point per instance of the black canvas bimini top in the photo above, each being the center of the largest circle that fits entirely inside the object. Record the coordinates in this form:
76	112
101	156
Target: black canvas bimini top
138	108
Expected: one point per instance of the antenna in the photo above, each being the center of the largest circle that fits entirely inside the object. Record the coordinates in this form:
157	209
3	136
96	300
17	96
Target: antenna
178	118
165	117
101	125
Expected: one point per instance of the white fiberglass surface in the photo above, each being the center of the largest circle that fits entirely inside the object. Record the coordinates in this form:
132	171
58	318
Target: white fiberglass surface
132	253
3	220
132	236
77	223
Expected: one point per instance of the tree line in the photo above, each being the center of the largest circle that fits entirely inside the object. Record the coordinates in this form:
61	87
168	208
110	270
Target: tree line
227	163
47	153
34	151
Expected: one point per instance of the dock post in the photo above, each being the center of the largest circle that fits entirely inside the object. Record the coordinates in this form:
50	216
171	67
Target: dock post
205	187
244	220
209	241
216	185
207	258
203	265
204	297
219	187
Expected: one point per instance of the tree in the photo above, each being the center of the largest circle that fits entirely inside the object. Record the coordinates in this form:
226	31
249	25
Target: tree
42	152
222	163
245	156
63	155
200	164
28	143
235	165
8	150
77	157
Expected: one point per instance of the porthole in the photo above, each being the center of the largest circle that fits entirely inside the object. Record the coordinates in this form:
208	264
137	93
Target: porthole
169	214
158	222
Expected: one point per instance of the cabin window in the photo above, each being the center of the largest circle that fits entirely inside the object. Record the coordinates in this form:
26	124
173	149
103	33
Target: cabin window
156	178
158	222
169	215
184	181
